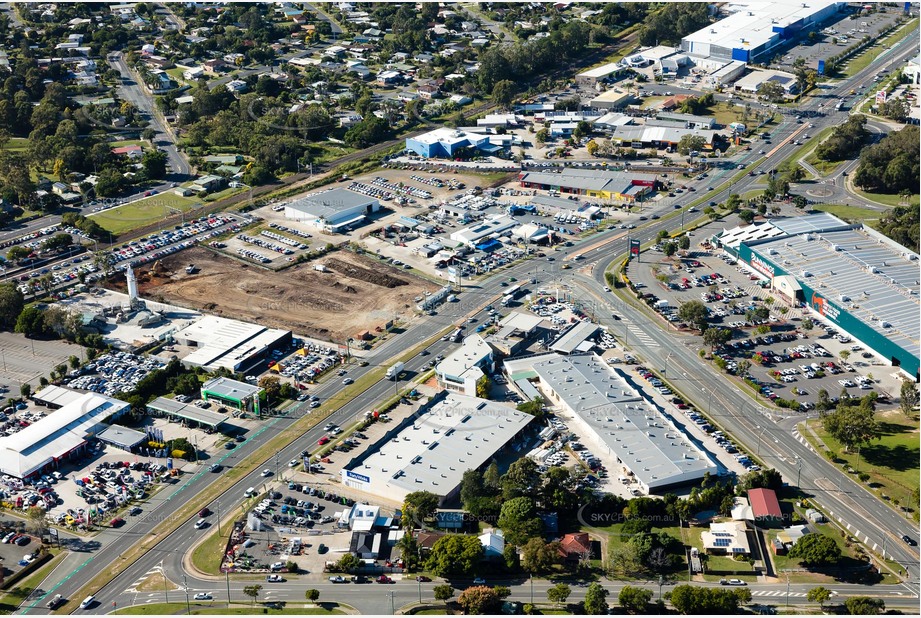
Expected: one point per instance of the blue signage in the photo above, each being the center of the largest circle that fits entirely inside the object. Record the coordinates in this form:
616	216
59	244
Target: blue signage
821	70
358	477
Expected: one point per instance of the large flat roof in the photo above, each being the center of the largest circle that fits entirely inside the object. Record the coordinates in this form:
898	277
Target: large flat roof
466	358
222	342
446	135
841	263
571	339
57	395
751	24
330	203
587	180
433	448
187	411
648	133
602	71
55	435
231	389
646	440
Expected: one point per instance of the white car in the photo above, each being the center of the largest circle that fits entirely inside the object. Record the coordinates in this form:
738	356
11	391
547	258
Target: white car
203	596
293	463
266	472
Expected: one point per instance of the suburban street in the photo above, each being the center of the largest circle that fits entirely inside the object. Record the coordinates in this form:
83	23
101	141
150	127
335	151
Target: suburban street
865	517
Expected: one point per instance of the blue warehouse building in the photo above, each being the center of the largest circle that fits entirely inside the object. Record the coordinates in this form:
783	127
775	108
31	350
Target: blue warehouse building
445	143
753	30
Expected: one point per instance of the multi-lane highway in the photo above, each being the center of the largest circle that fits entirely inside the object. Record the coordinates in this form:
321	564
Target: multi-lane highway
869	519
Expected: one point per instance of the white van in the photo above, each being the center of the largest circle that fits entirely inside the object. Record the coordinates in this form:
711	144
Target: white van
201	523
87	602
249	493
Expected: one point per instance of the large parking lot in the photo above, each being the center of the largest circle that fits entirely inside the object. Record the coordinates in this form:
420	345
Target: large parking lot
788	362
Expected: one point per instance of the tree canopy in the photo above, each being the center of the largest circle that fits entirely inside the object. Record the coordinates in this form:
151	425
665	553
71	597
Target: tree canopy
455	555
892	165
816	549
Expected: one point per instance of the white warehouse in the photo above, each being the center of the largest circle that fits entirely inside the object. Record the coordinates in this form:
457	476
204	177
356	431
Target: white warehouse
333	210
614	417
431	450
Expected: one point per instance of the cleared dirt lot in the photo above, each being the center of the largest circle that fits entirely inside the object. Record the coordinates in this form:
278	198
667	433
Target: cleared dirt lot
357	294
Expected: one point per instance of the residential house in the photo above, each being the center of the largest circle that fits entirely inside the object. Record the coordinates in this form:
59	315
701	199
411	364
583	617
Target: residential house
237	86
765	506
207	183
429	91
193	74
726	538
493	541
132	151
576	547
215	66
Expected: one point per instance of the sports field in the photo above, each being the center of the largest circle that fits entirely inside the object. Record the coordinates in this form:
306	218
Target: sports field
143	212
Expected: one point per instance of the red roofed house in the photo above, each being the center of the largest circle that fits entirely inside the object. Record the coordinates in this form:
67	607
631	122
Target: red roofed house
576	547
132	151
764	504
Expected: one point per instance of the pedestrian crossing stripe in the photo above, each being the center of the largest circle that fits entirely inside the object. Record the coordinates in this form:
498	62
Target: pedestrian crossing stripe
641	335
776	593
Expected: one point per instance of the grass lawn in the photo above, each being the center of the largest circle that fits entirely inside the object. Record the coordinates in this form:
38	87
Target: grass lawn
17	143
650	102
129	142
213	197
889	199
850	213
10	601
142	212
725	113
721	566
153	609
207	556
892	461
328	151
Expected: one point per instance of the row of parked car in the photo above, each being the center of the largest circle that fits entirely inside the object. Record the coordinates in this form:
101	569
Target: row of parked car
113	372
265	244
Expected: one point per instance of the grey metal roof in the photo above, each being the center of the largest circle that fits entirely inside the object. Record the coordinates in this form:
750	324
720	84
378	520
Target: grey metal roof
121	436
570	340
841	263
187	411
233	389
817	222
432	450
330	203
631	427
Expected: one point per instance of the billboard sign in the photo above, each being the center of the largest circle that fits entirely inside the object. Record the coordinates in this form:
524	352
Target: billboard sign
825	308
880	97
821	69
762	266
634	247
357	477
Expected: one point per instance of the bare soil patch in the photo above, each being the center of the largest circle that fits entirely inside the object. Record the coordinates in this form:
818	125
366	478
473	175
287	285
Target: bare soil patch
357	294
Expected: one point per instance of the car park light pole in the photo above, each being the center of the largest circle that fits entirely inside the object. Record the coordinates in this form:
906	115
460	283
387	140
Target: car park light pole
188	607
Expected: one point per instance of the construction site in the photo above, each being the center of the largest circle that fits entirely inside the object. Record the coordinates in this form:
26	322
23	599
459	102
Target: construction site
344	296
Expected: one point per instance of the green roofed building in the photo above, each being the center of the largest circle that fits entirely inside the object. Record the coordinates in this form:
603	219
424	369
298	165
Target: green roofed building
239	395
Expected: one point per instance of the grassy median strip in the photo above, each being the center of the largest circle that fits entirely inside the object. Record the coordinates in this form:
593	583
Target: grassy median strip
13	598
213	491
166	609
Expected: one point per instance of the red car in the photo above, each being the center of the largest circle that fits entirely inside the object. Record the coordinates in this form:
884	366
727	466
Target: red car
323	440
383	579
423	578
118	521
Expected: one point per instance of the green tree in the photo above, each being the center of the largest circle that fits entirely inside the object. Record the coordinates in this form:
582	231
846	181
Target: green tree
478	600
483	386
684	242
252	591
694	313
541	136
348	563
419	506
11	305
312	594
272	387
17	253
443	592
808	324
519	521
25	390
558	593
852	425
908	397
595	600
865	606
154	163
503	93
521	479
633	599
820	595
31	322
816	549
747	216
624	560
691	143
455	555
771	91
669	249
539	556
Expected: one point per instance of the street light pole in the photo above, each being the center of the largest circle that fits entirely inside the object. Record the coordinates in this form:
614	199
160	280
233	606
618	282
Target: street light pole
188	607
165	586
227	580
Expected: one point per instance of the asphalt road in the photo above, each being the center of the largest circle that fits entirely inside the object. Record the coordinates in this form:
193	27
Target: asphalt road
132	91
740	415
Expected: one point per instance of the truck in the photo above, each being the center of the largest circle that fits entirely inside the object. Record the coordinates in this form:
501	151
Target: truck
456	335
394	371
